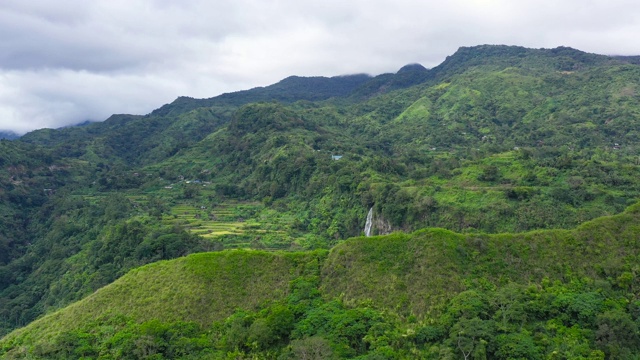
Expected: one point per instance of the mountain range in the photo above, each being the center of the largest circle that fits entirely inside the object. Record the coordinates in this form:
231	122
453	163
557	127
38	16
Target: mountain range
502	187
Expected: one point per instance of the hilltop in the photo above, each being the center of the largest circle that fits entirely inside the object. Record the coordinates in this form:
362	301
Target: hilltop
422	276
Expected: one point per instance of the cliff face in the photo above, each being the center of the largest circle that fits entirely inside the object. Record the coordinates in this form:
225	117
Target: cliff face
377	225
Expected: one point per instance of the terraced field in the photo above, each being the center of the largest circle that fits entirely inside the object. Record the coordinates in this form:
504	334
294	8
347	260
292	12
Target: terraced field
230	224
233	225
229	218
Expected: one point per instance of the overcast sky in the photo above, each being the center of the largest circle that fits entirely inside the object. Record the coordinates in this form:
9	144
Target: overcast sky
66	61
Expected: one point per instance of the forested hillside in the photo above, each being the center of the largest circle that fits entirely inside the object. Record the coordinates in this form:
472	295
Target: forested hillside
428	295
495	140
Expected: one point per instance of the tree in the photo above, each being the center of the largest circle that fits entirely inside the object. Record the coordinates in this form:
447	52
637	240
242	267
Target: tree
190	192
617	334
489	173
508	301
311	348
516	346
471	336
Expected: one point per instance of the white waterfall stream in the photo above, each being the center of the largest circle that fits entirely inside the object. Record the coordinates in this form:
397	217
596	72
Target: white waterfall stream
367	225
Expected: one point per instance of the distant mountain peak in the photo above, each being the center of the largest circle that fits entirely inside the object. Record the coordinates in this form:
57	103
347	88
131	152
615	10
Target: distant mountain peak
412	67
9	135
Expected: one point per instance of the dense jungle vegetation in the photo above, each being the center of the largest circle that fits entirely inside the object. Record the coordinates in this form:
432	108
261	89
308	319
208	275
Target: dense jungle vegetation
498	145
431	294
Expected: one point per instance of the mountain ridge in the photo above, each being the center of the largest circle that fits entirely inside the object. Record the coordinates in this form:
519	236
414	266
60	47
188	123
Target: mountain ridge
463	57
352	271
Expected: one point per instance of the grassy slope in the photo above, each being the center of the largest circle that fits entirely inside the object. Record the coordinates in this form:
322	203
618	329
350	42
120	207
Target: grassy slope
413	273
404	273
201	287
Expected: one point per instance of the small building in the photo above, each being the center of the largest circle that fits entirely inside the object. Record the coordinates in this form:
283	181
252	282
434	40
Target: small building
336	157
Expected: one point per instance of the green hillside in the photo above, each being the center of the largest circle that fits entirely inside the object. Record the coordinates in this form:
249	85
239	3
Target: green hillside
429	281
201	287
411	273
494	140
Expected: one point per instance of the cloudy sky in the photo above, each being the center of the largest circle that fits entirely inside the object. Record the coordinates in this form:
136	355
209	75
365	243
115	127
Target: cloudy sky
66	61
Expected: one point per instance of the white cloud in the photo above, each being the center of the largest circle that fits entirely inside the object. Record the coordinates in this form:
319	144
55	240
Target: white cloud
36	99
66	61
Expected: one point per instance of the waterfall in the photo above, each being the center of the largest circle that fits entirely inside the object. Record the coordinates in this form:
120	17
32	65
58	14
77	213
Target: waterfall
367	225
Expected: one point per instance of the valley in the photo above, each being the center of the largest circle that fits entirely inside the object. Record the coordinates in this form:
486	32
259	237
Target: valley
502	186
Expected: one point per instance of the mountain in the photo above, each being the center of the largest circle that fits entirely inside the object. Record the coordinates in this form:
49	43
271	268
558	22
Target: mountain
131	139
629	59
9	135
501	146
291	89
